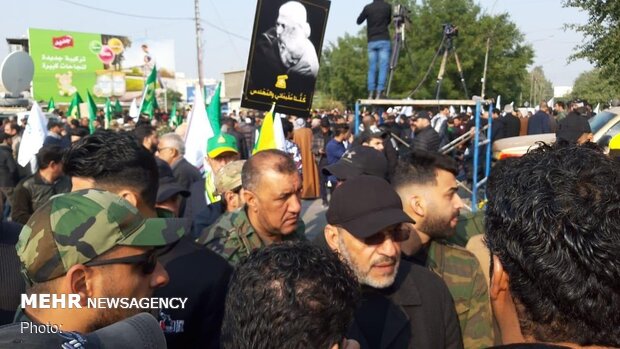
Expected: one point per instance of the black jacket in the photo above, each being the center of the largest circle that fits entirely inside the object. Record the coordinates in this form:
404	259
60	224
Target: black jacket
512	125
12	283
202	276
426	139
32	192
420	313
378	14
185	173
8	167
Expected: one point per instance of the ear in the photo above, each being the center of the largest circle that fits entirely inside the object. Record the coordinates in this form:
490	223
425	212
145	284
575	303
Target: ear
250	199
77	281
130	196
331	237
417	205
500	282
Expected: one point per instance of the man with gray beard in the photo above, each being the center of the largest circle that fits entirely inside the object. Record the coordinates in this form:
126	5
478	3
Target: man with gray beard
403	305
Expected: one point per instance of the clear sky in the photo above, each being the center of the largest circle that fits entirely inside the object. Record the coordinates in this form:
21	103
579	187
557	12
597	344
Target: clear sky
228	26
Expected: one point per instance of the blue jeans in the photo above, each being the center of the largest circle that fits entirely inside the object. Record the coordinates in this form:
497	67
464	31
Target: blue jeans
378	50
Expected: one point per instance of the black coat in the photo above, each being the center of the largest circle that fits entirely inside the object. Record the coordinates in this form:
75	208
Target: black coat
202	276
185	173
512	125
8	168
420	313
426	139
32	192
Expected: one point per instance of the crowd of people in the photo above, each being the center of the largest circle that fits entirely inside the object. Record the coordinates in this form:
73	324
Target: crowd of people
121	213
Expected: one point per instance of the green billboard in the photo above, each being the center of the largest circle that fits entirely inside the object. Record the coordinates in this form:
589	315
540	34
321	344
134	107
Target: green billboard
68	62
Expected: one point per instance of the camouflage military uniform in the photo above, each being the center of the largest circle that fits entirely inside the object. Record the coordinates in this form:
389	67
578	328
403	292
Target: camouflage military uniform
461	271
233	237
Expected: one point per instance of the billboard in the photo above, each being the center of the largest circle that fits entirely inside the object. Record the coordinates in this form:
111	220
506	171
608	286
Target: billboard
66	62
284	55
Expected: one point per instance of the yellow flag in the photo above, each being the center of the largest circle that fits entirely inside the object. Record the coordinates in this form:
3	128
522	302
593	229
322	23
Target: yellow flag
266	138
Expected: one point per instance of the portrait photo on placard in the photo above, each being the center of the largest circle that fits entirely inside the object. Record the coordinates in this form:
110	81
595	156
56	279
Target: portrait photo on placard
283	63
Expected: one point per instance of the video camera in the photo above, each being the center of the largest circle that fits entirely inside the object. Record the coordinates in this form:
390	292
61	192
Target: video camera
450	31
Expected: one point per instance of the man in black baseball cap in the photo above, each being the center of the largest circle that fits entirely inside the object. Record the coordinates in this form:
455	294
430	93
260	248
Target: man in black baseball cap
426	138
404	305
358	161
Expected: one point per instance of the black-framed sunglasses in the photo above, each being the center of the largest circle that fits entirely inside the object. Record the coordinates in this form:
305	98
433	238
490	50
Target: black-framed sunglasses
399	233
146	261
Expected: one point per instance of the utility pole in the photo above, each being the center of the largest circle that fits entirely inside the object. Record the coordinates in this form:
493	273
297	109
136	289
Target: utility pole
198	42
484	73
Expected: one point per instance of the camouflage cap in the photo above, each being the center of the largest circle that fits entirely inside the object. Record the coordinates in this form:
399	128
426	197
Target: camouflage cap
228	177
74	228
221	143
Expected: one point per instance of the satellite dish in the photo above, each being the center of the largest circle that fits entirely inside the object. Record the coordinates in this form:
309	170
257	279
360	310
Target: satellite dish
17	72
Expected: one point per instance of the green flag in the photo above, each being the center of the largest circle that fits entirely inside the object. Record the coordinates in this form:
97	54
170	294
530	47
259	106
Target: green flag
117	107
149	99
74	106
213	111
107	113
92	112
175	120
51	105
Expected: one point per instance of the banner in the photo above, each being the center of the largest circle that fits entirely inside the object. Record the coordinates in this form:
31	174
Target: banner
108	65
284	55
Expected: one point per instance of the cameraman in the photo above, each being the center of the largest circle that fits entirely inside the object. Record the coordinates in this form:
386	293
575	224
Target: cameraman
378	15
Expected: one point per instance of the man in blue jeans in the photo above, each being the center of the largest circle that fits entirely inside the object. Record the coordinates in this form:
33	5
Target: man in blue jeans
378	14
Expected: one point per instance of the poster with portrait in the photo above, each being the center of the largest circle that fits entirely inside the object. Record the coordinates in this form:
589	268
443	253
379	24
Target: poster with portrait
284	55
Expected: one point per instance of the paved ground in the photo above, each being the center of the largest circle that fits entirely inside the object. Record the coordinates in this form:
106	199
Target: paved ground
313	215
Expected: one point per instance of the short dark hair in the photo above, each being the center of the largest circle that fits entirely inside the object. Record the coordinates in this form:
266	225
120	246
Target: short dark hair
270	159
143	131
114	160
287	127
3	136
561	104
47	154
51	123
340	129
420	168
79	131
553	220
289	295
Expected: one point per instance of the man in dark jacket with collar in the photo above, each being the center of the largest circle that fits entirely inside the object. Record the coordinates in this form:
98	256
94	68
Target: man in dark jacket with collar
426	138
403	305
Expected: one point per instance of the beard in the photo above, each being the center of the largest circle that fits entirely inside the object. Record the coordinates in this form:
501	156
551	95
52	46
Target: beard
438	227
290	51
363	276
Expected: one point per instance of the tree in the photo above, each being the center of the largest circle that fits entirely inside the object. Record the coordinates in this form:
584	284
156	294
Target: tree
602	34
595	87
170	97
344	63
536	87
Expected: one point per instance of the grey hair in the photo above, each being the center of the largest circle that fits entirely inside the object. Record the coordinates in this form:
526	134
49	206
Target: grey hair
175	141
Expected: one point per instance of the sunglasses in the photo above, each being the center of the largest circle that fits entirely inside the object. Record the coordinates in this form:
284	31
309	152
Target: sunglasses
146	261
399	233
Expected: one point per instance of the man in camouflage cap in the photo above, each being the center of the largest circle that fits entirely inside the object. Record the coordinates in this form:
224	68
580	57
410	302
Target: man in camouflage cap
271	191
426	184
228	185
94	244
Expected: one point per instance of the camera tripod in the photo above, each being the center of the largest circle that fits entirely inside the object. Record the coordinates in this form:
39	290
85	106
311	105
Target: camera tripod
399	39
448	47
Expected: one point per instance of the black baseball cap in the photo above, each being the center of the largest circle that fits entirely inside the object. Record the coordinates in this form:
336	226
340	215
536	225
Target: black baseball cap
423	114
360	160
365	205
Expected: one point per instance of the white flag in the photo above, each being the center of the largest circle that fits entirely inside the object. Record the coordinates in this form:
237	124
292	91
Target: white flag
551	102
498	105
469	111
133	110
198	131
452	111
596	110
461	109
33	137
278	132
